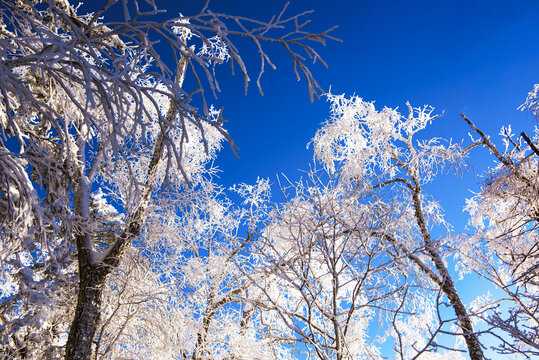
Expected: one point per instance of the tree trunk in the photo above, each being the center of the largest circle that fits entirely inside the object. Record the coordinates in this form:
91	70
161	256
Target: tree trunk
81	334
447	284
448	287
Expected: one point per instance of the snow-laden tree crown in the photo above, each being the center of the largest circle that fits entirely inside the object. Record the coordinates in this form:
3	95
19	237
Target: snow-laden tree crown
107	140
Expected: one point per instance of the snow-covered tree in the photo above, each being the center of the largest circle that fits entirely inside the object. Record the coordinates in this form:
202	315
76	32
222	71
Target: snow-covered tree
352	248
381	162
96	131
505	246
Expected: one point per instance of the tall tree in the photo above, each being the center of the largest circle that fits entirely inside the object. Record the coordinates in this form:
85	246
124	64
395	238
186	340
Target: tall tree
504	248
378	152
89	104
355	242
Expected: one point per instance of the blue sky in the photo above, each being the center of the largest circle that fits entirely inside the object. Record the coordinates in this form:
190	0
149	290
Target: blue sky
479	57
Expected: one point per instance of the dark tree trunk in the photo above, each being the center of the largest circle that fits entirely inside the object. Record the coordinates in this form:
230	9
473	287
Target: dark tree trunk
446	282
81	334
472	342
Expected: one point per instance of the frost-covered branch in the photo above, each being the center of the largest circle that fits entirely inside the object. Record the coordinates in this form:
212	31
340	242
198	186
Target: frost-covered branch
504	248
97	128
378	151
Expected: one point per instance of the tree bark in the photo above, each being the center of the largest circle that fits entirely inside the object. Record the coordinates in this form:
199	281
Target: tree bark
87	313
472	342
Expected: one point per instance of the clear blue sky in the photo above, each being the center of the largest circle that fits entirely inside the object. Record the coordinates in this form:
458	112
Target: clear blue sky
480	57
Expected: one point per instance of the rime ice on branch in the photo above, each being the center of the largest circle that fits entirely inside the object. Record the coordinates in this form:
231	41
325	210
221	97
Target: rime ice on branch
89	102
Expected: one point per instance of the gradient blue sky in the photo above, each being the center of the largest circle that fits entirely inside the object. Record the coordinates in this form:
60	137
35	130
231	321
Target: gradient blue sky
479	57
